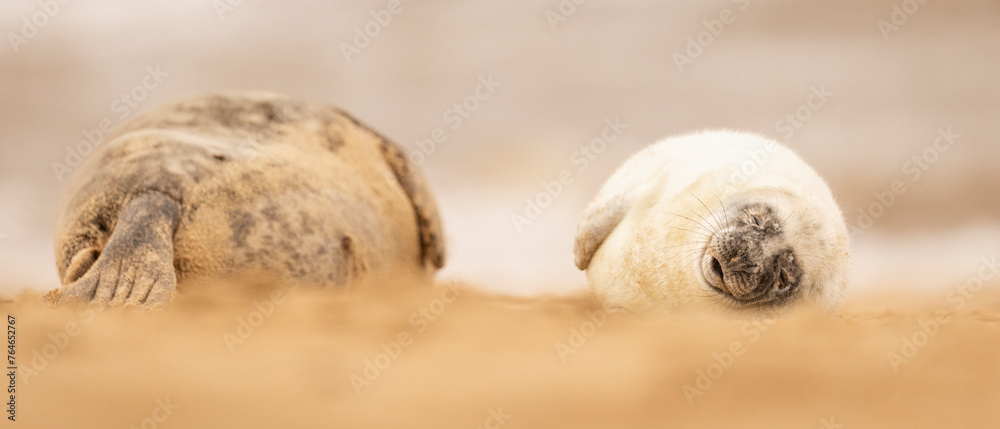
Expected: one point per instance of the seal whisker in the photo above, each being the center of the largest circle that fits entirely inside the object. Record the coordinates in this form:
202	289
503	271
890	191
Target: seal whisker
713	226
791	214
682	243
692	220
724	211
702	234
692	252
710	212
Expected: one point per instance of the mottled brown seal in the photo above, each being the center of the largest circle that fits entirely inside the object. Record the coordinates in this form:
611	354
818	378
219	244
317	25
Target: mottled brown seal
234	183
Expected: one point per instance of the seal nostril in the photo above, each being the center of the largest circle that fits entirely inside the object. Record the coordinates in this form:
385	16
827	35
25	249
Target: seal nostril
783	283
717	269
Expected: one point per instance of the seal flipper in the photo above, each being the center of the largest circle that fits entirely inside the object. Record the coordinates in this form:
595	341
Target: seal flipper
631	184
135	268
424	206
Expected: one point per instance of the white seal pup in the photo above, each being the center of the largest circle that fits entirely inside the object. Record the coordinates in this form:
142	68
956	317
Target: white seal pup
714	219
237	184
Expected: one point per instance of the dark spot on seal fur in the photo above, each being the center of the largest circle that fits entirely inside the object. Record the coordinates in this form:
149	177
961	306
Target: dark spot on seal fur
255	179
269	111
232	113
271	213
241	223
333	139
350	265
307	224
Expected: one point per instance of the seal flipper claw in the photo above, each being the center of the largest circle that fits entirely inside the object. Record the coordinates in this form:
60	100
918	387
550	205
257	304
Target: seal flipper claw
136	267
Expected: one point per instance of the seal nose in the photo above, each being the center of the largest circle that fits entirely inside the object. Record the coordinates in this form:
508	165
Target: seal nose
737	267
751	276
742	278
750	260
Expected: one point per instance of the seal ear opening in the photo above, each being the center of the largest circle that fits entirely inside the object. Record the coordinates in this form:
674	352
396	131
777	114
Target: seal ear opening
80	263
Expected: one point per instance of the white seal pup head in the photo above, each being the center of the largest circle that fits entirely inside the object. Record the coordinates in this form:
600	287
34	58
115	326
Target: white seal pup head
714	219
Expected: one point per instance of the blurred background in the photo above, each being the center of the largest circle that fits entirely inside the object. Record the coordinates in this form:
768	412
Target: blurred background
864	90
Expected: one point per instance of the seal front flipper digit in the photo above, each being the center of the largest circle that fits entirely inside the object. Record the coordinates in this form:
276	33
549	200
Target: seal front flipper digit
135	267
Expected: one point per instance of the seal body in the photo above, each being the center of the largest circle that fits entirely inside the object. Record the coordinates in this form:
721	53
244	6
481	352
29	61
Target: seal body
234	183
714	219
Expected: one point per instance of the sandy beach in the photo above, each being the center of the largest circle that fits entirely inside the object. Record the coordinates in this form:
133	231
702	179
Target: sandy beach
895	103
256	356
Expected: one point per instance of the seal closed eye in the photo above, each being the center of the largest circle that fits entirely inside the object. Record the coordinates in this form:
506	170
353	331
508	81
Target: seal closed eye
232	183
685	223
